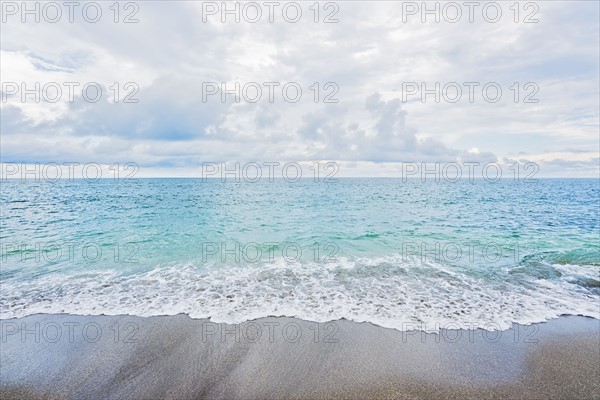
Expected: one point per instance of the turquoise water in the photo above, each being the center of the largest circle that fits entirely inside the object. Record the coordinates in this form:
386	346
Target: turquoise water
378	250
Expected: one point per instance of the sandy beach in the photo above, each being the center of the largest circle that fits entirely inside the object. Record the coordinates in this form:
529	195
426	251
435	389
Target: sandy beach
175	357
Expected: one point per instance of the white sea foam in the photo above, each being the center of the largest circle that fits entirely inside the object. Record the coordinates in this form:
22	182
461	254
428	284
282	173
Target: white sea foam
388	291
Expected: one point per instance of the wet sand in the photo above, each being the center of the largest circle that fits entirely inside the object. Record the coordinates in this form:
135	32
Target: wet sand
74	357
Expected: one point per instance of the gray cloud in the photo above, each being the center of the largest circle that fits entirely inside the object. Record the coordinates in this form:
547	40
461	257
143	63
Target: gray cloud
368	54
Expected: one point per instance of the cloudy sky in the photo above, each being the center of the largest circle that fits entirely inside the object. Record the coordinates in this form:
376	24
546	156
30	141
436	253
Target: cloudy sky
367	61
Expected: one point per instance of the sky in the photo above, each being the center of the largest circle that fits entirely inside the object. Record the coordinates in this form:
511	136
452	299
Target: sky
369	61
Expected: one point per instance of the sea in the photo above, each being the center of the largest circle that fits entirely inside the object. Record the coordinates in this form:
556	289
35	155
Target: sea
396	253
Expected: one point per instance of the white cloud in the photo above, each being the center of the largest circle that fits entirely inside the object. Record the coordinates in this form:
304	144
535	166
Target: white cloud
368	55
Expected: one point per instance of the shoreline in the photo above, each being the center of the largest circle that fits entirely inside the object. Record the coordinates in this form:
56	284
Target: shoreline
47	356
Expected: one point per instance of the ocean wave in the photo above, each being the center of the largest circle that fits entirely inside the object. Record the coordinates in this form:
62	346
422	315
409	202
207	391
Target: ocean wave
393	292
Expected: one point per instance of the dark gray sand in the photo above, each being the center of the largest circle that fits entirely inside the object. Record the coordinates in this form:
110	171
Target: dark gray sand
176	357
